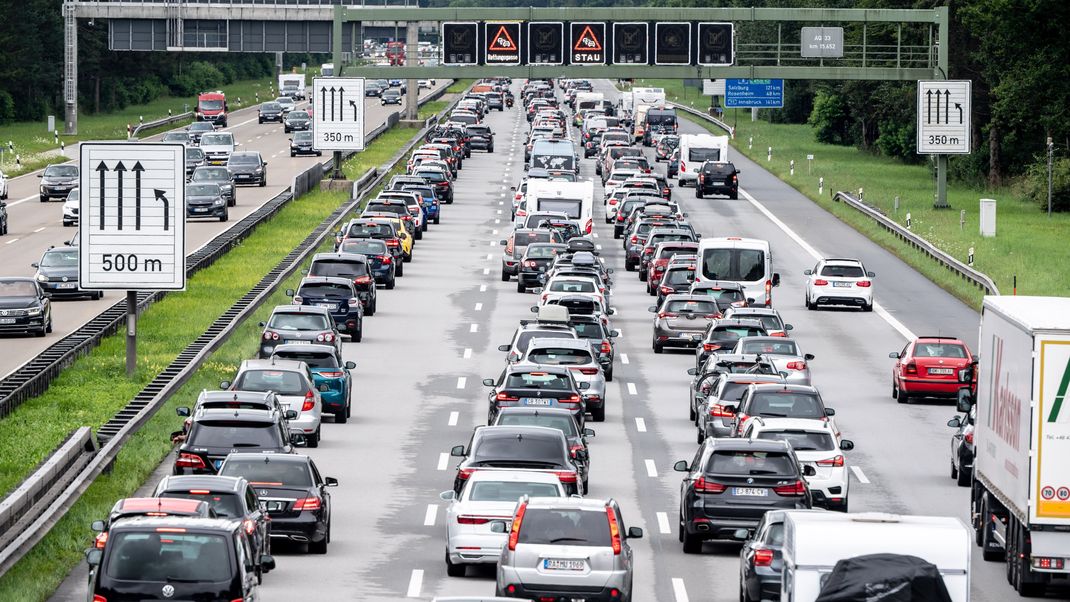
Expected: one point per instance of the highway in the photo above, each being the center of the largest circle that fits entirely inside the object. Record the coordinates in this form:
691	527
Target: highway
35	226
434	339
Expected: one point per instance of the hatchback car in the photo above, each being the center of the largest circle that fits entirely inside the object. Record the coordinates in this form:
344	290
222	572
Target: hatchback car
682	320
24	307
715	397
339	297
575	355
215	432
732	483
782	401
536	386
354	267
390	96
929	367
301	144
535	448
567	549
248	168
269	111
330	374
208	174
293	383
839	282
57	274
206	200
299	324
560	419
816	445
296	121
198	129
771	319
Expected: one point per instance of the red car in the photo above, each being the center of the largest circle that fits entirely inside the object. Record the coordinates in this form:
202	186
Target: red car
928	367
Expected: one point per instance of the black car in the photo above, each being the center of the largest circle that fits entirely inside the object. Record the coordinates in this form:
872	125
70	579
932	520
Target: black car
132	507
336	295
24	307
57	181
535	448
380	260
375	229
718	178
534	262
535	386
390	96
301	144
555	418
292	491
371	89
442	184
733	483
269	111
354	267
721	337
482	137
297	324
206	200
248	168
215	432
398	208
57	274
296	121
229	497
212	174
199	128
172	558
761	560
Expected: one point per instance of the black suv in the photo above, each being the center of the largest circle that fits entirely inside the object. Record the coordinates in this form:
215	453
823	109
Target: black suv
732	483
229	497
57	181
717	178
339	297
352	266
301	144
171	558
298	324
482	137
248	168
215	432
536	448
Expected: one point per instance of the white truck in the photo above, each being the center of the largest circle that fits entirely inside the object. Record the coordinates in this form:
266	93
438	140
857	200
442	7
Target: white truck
292	85
1020	498
574	199
696	149
815	541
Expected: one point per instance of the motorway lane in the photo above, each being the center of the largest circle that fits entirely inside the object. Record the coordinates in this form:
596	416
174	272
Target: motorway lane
35	226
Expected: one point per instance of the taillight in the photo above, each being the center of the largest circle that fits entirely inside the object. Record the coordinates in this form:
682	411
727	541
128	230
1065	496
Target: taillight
797	365
634	239
768	293
100	540
310	402
505	397
566	476
575	448
910	368
614	530
606	347
353	301
271	336
392	242
704	486
864	283
298	300
464	473
587	371
362	280
648	251
710	346
668	314
798	488
189	461
308	503
514	531
820	282
332	374
469	519
531	264
837	461
665	290
249	526
719	411
570	399
386	259
325	337
763	557
99	598
968	437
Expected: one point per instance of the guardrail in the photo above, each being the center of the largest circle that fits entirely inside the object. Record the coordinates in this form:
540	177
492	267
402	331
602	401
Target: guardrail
44	497
159	122
697	113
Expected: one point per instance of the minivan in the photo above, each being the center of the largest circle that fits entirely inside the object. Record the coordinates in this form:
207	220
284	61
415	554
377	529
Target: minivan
747	261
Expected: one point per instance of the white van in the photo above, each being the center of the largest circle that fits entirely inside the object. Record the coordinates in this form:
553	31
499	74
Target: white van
574	199
588	100
747	261
650	96
815	541
327	70
696	149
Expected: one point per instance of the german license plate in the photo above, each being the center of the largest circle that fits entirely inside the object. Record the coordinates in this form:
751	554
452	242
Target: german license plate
7	320
327	305
66	285
750	491
842	284
555	564
276	506
535	401
298	342
200	209
944	371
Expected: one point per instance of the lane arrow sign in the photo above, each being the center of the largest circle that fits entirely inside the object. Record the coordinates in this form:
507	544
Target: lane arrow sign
120	169
323	101
341	104
102	169
353	104
161	196
929	106
137	194
332	103
947	106
959	107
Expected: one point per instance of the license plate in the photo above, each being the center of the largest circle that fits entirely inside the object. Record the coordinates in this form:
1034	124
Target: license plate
200	210
535	401
941	371
69	285
298	342
276	506
327	305
7	320
750	491
563	565
842	284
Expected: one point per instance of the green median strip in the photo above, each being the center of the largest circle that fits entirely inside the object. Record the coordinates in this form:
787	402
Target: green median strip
94	387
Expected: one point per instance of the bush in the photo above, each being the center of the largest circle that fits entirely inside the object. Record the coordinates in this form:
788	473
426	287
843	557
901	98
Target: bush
197	77
831	118
7	107
897	139
1034	184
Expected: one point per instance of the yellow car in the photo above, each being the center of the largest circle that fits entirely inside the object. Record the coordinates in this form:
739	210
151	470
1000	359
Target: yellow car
404	238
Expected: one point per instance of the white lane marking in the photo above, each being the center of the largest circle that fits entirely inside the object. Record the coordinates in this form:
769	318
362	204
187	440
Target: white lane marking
663	523
482	288
501	202
624	358
497	221
631	389
491	243
651	468
877	307
505	187
596	235
11	241
599	247
620	333
462	380
493	231
486	271
678	589
443	460
861	476
640	425
417	580
499	211
41	229
430	515
489	256
467	354
454	417
473	328
479	306
21	201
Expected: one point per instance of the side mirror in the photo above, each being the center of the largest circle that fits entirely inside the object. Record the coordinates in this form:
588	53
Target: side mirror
750	300
830	412
513	188
741	535
692	371
588	432
964	403
808	357
635	533
35	265
789	327
261	324
847	444
652	309
289	292
457	451
447	495
182	411
681	466
870	275
497	526
291	414
614	334
809	471
224	384
298	440
807	272
895	355
502	242
534	309
350	365
488	382
267	562
503	347
330	481
612	311
97	525
92	555
776	279
954	423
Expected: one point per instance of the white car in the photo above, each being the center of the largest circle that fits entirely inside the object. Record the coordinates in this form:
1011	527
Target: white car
561	286
615	179
839	282
815	445
70	208
425	83
783	352
489	497
3	186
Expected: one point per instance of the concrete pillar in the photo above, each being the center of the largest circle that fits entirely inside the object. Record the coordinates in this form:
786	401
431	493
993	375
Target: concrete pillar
412	59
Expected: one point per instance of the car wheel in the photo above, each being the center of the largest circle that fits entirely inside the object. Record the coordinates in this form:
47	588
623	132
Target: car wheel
436	220
455	570
44	199
520	288
903	396
400	269
692	543
357	334
692	414
810	306
609	375
698	191
390	284
734	196
598	414
39	333
263	181
224	217
370	311
490	150
342	416
895	394
293	154
505	276
232	201
314	440
657	348
962	479
868	307
408	258
419	234
318	547
642	275
699	436
97	295
48	327
954	470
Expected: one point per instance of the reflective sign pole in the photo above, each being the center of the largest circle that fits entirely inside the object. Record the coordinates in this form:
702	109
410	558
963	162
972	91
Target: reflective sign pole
131	333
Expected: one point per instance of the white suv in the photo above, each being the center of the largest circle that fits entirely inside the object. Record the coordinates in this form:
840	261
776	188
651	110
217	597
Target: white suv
839	282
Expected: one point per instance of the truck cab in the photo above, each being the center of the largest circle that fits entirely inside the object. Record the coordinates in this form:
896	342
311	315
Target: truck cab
212	106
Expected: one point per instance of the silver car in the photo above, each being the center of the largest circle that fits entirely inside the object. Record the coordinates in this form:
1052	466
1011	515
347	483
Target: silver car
576	355
567	548
292	382
681	320
785	353
715	415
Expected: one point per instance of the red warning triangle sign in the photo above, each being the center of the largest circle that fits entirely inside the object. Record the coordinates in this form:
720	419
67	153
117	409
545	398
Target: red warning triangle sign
503	42
588	42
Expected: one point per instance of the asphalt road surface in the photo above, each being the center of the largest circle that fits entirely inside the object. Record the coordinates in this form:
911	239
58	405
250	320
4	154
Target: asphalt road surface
434	339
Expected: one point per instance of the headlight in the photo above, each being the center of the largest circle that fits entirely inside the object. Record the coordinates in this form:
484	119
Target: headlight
42	188
259	170
33	311
218	202
42	278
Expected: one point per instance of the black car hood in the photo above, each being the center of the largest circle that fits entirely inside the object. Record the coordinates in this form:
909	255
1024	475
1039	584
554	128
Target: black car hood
200	200
236	169
18	302
70	272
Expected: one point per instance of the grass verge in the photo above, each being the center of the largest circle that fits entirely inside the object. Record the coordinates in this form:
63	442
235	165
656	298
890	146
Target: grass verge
459	85
1026	238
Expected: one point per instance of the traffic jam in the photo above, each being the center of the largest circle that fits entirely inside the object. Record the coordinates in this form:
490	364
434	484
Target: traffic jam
771	469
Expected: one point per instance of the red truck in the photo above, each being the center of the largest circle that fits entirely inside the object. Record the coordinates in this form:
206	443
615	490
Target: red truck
212	106
395	53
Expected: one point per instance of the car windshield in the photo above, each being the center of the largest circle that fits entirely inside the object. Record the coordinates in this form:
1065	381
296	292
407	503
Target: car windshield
538	380
226	505
747	265
283	382
175	136
746	462
331	291
314	360
60	258
567	527
559	356
61	171
565	424
235	434
724	295
801	440
215	174
202	190
194	153
782	347
270	106
258	472
17	288
510	491
201	126
211	104
786	404
297	115
244	160
217	139
843	271
363	247
167	557
572	286
691	307
303	137
288	321
951	350
341	269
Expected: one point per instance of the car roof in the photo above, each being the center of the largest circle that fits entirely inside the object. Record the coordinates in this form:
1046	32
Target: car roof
939	339
515	475
209	482
326	280
519	368
766	339
145	523
272	364
792	424
235	415
791	388
300	309
755	311
306	348
742	377
686	297
519	431
559	342
576	503
159	504
739	322
737	443
269	458
255	396
354	257
841	261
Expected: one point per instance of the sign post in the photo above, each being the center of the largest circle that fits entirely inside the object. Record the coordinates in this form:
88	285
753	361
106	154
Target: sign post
943	126
133	223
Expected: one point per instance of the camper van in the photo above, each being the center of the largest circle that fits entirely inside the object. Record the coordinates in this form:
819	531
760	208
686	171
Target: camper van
815	541
574	199
696	149
747	261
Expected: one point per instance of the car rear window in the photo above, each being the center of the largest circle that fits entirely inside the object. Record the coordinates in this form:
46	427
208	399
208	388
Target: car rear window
785	347
801	440
341	269
694	307
226	505
559	356
786	404
258	472
544	526
398	208
166	557
573	286
331	291
363	247
939	350
542	252
523	239
565	424
748	462
667	252
680	276
843	271
283	382
725	296
732	333
538	380
524	447
510	491
234	434
290	322
589	330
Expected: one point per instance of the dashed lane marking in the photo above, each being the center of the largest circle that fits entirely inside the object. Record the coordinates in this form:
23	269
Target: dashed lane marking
640	425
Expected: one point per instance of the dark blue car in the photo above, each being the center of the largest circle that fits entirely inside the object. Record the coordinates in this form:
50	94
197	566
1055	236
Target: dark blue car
380	261
428	200
338	296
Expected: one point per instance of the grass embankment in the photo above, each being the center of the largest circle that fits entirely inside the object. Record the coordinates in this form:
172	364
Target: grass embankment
37	147
90	391
1025	244
459	85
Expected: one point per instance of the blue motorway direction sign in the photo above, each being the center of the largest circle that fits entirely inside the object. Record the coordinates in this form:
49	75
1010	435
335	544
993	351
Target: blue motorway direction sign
754	93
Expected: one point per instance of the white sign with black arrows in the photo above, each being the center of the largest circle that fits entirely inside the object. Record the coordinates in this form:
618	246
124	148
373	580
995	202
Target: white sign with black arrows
944	117
338	113
132	208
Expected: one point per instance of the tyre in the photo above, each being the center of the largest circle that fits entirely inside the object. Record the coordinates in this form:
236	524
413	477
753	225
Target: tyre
48	327
314	440
692	543
318	547
39	333
44	199
989	552
734	196
391	283
629	266
408	258
599	414
232	201
419	234
293	154
224	217
490	150
868	307
436	220
370	311
505	276
692	415
895	395
357	334
97	295
400	271
657	348
455	570
903	396
962	479
699	436
810	306
586	488
263	181
342	417
609	376
642	276
698	191
520	288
